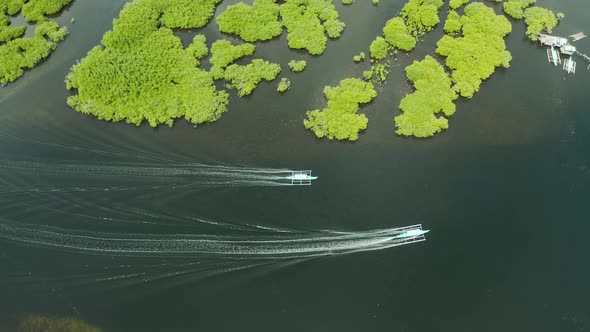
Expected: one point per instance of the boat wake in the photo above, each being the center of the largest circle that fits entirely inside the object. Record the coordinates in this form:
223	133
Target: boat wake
31	177
125	259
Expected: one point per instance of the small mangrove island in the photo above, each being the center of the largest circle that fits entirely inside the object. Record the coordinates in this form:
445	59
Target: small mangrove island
18	53
141	71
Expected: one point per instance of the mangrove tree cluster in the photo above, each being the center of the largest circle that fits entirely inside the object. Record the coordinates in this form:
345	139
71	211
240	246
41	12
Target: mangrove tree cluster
474	56
433	95
308	22
17	53
284	85
246	78
142	72
421	15
223	53
243	78
537	19
37	10
515	8
185	13
340	119
401	32
297	65
251	23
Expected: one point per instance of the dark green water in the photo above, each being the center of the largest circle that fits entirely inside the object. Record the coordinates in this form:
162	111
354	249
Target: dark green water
504	192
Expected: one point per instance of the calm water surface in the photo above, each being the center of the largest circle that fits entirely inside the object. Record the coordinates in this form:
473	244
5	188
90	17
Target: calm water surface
503	190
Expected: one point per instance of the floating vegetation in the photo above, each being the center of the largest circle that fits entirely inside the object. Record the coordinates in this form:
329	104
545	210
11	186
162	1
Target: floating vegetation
340	119
18	53
433	95
251	23
297	66
284	85
308	22
143	72
223	53
246	78
45	323
475	56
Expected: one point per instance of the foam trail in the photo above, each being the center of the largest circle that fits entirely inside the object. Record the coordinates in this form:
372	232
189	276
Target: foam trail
245	246
115	261
50	178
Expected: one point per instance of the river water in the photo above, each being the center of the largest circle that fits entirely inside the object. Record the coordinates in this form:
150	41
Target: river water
503	192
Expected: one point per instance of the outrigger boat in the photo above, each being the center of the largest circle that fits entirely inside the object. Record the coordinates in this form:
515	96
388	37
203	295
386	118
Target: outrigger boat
301	178
412	233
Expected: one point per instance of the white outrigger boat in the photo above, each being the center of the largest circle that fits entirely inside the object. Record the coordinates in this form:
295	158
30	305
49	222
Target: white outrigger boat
301	178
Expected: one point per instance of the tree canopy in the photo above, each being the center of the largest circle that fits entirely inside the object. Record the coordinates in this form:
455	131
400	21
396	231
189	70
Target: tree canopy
37	10
538	20
284	85
340	119
19	53
308	21
475	56
397	34
452	23
251	23
379	48
185	13
11	7
223	53
297	66
421	15
246	78
515	8
143	73
455	4
433	95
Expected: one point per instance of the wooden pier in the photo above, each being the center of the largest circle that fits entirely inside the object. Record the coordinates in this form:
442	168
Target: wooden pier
560	45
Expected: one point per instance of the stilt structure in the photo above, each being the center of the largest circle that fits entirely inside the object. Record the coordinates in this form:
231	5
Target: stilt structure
554	42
